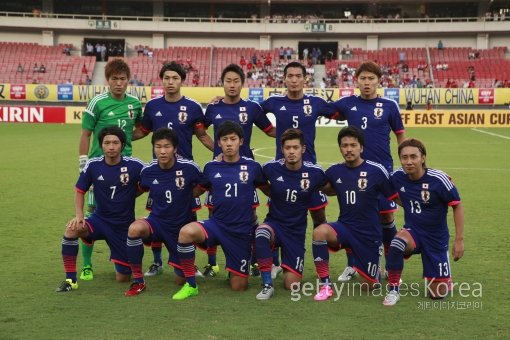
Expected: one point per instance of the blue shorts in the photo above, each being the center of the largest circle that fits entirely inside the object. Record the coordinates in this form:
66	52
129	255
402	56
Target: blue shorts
292	247
162	231
386	206
114	235
436	262
365	254
236	247
319	201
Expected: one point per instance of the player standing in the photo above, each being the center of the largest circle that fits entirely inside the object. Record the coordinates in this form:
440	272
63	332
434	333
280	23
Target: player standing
115	181
246	113
185	117
112	108
293	183
170	182
358	184
425	194
231	182
376	117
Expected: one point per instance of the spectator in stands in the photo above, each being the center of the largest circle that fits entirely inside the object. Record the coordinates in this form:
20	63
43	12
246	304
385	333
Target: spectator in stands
242	62
20	69
288	53
35	68
139	50
84	69
254	59
103	52
135	81
405	68
440	45
98	52
69	82
305	55
409	105
196	79
268	61
347	52
323	84
282	53
42	69
89	49
88	81
66	50
471	55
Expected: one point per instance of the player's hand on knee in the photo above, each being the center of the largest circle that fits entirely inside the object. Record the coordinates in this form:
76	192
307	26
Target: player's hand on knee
76	224
458	250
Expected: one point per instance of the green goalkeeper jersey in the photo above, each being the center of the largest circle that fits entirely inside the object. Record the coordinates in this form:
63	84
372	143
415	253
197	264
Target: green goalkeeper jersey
103	110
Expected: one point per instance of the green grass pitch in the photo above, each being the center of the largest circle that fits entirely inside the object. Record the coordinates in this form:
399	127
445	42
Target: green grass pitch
38	169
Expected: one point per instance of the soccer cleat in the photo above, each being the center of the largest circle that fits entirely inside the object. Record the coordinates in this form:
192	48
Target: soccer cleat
347	275
254	270
275	270
324	293
391	298
211	271
198	273
135	289
266	293
185	292
154	269
66	286
87	274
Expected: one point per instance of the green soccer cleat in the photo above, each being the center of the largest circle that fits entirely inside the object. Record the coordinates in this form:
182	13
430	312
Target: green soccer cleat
87	274
66	286
185	292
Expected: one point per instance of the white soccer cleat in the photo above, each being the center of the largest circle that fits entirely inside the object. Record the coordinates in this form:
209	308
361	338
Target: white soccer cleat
347	275
266	293
275	270
392	298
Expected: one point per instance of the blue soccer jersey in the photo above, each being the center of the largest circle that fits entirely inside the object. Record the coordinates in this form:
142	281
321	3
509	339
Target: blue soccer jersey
182	116
232	186
291	193
171	190
245	112
376	118
426	202
298	114
358	191
115	187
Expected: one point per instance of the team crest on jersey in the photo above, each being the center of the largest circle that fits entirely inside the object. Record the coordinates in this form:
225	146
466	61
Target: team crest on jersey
182	116
378	112
362	183
243	176
131	112
124	178
179	182
243	117
305	184
307	109
425	193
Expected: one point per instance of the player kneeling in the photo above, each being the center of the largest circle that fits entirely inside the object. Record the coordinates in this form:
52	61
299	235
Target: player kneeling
170	182
425	194
115	179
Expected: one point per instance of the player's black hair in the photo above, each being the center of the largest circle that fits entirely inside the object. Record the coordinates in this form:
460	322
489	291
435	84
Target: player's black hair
369	66
351	131
165	133
228	127
112	130
294	64
173	66
414	143
290	134
233	68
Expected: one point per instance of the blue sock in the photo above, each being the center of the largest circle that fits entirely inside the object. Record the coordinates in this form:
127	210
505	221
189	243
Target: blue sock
321	260
276	257
186	253
69	254
395	262
264	254
389	230
135	256
156	251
